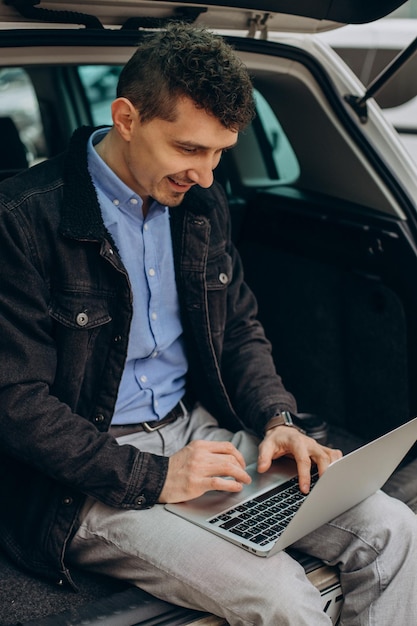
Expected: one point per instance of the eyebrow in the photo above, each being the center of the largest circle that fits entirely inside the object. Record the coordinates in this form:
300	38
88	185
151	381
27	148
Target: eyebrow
191	144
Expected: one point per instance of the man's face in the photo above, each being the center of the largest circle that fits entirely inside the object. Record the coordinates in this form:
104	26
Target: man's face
163	160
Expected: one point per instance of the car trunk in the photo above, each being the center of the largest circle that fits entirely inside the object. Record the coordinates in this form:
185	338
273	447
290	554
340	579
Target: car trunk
333	283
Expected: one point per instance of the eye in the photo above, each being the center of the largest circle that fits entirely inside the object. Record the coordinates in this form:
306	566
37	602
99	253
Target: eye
186	149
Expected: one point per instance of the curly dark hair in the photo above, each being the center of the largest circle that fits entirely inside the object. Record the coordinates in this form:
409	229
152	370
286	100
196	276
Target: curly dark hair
183	60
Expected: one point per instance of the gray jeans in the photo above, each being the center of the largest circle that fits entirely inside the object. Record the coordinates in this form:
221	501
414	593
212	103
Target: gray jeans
374	545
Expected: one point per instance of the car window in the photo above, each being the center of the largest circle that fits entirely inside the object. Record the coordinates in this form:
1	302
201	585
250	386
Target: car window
265	154
100	82
19	103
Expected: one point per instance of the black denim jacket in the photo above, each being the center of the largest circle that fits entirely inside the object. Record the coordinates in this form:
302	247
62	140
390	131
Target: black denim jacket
65	312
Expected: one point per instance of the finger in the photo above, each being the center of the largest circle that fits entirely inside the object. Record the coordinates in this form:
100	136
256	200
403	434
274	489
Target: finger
217	483
227	448
320	455
289	442
304	473
266	452
325	458
229	470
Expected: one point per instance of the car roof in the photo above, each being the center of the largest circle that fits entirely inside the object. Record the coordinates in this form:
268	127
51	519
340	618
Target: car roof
278	15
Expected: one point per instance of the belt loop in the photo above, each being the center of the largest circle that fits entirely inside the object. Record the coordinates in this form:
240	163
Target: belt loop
184	408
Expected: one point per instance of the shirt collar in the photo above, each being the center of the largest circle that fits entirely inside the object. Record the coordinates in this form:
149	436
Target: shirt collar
111	185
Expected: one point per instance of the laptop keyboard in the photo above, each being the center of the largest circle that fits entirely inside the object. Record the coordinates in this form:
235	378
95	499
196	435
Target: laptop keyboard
264	518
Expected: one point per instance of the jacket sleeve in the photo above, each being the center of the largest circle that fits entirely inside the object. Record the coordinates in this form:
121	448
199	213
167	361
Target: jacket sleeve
39	430
231	364
255	388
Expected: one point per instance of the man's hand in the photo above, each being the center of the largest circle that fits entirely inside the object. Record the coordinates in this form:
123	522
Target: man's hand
203	466
287	441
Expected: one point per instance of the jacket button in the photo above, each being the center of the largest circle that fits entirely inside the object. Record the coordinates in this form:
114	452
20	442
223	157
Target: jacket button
99	418
117	338
223	278
67	500
198	221
82	319
140	501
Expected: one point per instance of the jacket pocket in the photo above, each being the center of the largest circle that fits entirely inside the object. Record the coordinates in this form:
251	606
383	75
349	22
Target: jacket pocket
219	272
82	334
218	278
79	311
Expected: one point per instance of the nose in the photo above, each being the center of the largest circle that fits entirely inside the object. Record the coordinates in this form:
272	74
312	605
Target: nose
204	178
202	174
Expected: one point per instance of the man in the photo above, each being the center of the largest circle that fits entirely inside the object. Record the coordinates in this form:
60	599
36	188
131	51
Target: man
135	372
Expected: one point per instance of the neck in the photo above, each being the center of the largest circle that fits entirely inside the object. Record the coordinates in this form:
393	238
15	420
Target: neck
111	152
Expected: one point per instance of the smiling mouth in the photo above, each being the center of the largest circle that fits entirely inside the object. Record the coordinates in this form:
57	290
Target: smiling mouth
179	185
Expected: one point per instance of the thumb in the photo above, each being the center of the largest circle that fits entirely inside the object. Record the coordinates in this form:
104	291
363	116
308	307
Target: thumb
264	457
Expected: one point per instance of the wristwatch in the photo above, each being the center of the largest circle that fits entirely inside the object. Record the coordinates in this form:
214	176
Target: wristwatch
284	418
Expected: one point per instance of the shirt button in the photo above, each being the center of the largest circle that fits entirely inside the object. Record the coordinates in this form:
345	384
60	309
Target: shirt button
133	200
116	202
145	227
140	501
82	319
143	378
154	316
223	278
152	272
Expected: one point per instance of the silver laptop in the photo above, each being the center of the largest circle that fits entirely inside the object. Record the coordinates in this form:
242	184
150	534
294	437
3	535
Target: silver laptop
271	513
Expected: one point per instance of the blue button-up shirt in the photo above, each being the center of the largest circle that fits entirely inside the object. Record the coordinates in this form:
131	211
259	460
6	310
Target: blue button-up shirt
154	376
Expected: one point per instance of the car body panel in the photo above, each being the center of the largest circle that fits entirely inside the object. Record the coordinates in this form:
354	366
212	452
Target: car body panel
370	48
293	15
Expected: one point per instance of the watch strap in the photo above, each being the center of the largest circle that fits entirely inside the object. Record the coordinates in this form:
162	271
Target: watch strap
284	418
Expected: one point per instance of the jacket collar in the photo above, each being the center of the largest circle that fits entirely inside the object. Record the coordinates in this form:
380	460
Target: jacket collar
81	214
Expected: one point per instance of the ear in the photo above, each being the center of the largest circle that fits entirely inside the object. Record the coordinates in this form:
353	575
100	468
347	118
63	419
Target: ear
124	115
